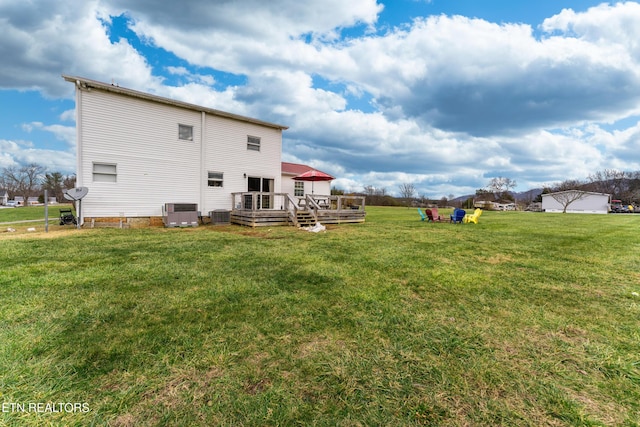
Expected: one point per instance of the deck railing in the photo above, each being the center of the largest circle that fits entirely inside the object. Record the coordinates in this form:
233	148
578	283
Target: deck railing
255	200
252	207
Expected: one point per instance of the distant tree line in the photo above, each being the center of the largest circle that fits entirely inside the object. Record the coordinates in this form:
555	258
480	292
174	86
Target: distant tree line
379	196
31	180
621	185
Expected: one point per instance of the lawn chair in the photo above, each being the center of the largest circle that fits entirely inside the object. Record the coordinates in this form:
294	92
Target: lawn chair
458	215
436	215
422	216
429	215
433	216
473	217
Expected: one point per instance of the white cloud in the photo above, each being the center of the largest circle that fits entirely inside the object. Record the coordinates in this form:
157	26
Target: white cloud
608	25
455	99
68	116
62	133
20	153
46	39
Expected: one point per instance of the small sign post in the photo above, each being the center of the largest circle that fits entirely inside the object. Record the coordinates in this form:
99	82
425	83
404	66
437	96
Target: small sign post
46	212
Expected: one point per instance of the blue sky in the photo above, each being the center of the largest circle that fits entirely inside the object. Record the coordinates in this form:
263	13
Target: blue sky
443	94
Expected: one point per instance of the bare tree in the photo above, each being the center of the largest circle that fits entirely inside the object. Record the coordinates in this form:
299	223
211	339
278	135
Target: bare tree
69	181
567	192
609	181
407	191
23	181
566	197
569	184
369	190
501	187
634	186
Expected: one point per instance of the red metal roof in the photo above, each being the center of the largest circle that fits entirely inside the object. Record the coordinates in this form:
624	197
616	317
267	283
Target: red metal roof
295	168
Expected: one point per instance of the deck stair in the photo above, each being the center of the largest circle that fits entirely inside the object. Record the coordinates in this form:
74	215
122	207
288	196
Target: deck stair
305	219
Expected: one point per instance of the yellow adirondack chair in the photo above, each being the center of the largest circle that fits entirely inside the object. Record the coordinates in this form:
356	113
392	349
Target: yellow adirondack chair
473	217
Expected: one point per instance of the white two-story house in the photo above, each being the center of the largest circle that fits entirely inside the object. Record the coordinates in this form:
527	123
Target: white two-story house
137	151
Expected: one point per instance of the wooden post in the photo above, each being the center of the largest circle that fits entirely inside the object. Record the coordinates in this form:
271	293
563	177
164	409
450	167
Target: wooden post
46	211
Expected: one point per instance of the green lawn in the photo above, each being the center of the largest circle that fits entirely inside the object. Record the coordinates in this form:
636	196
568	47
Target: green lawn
524	319
9	215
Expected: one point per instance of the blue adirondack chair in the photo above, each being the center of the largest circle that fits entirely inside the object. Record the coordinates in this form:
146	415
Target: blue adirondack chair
458	215
422	216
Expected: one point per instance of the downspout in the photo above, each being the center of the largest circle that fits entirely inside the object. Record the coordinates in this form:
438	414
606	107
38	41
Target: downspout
203	153
79	152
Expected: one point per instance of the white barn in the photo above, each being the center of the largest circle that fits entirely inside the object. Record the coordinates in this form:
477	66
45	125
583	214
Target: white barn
137	151
576	201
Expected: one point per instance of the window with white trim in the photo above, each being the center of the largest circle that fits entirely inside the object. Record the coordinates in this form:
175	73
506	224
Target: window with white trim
185	132
105	172
215	179
253	143
298	189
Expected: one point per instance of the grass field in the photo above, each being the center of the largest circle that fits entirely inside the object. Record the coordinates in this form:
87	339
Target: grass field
525	319
15	217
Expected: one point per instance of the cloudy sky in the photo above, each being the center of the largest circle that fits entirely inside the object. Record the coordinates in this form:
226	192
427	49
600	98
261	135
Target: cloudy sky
442	94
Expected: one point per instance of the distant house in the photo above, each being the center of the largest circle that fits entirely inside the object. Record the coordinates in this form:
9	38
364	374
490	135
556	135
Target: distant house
576	201
19	200
4	197
495	206
301	188
32	201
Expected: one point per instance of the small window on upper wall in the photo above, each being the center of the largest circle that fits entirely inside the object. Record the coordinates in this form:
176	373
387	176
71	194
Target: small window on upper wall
298	189
185	132
215	179
105	172
253	143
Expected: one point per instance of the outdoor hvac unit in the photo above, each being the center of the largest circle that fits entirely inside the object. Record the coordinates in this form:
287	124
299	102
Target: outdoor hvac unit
180	214
220	217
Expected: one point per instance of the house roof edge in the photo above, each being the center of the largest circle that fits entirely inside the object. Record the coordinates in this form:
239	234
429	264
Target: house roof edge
88	83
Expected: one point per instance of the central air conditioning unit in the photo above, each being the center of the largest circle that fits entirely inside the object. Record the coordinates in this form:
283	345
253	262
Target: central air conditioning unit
220	217
180	214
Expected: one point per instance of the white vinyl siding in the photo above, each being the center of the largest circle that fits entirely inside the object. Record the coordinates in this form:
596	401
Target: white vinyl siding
154	166
226	151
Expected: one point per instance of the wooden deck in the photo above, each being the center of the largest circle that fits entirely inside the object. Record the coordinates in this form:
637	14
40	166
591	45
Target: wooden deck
255	209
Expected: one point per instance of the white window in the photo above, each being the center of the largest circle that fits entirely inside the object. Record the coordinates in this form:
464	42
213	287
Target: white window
298	189
215	179
185	132
105	172
253	143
